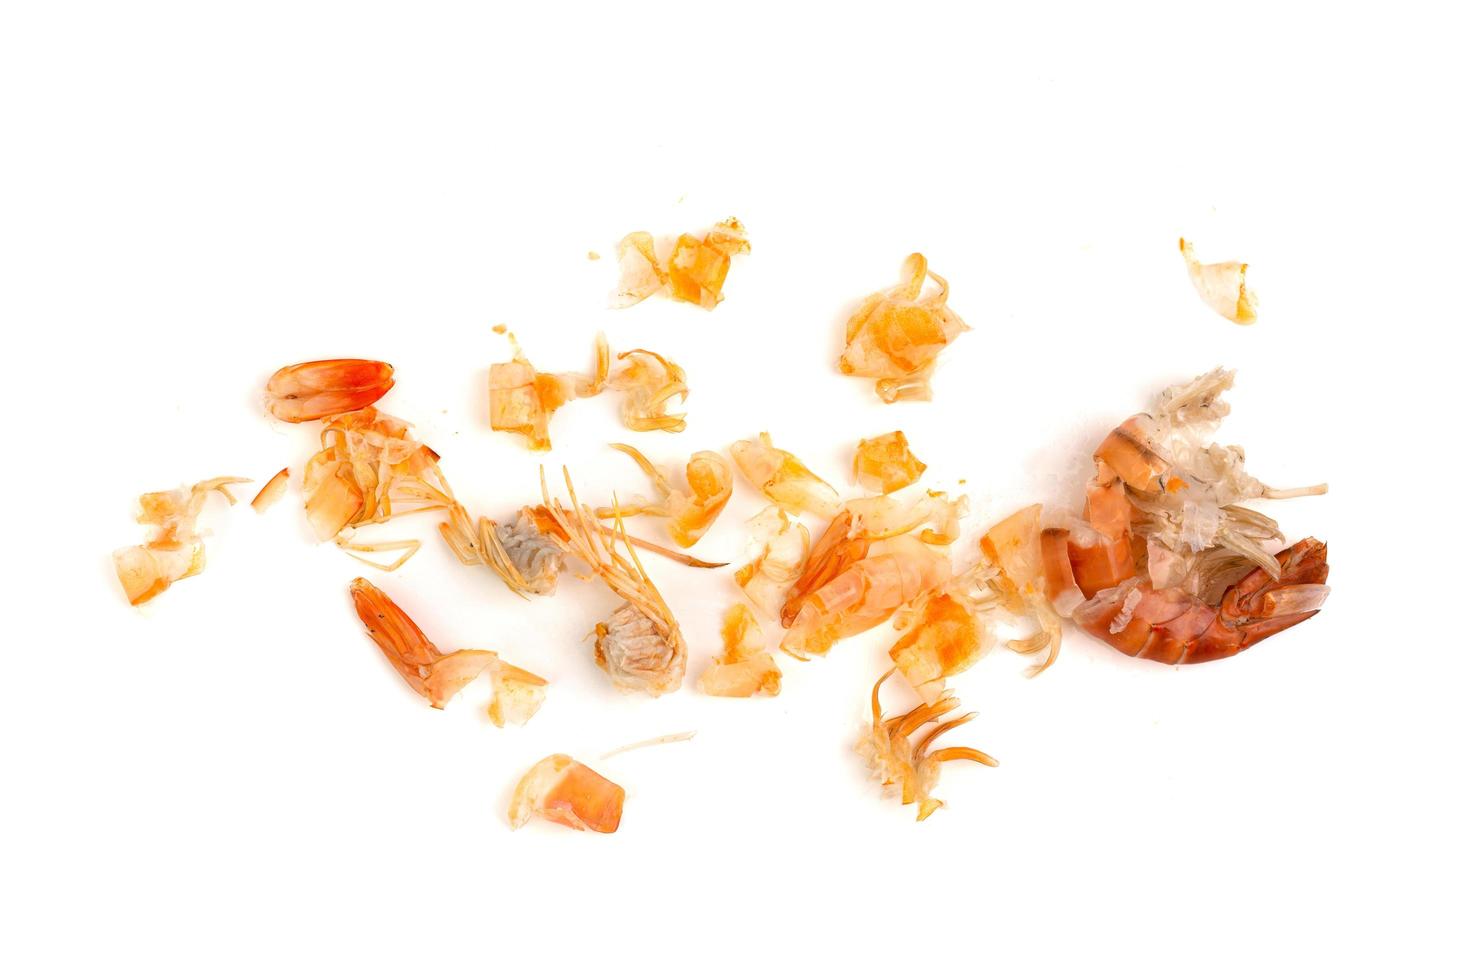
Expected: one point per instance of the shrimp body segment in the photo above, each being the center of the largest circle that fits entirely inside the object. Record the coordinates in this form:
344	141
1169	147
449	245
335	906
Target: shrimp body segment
438	677
698	267
562	790
896	335
770	575
1221	285
174	549
316	389
946	639
865	594
899	757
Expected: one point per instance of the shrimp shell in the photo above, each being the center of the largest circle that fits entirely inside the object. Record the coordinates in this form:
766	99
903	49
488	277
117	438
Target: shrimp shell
174	550
316	389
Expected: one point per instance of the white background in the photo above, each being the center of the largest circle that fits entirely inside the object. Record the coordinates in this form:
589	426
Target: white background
232	782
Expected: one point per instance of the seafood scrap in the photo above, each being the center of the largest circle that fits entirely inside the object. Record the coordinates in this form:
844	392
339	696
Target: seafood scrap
1221	285
694	273
770	575
746	667
896	335
315	389
876	518
369	469
893	573
274	489
174	549
1169	564
525	551
517	694
905	766
884	463
689	513
640	646
782	478
1013	547
562	790
944	636
650	381
522	399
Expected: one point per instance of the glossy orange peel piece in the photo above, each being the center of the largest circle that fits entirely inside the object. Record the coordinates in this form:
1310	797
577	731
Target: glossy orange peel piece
316	389
562	790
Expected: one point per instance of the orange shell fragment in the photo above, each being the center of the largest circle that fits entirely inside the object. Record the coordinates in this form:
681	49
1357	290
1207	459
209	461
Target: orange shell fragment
1013	547
316	389
694	273
947	638
769	577
746	667
274	489
522	399
562	790
690	513
174	549
884	463
650	381
896	335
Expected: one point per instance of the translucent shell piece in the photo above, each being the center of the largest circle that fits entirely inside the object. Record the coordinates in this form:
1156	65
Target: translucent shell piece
174	549
642	276
690	513
522	399
896	335
746	667
865	594
835	551
695	272
1014	549
517	693
697	269
876	518
1221	285
274	489
906	767
650	382
562	790
945	639
369	470
316	389
768	578
884	463
782	478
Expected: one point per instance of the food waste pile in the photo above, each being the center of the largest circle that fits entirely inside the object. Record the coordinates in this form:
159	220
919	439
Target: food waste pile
1162	559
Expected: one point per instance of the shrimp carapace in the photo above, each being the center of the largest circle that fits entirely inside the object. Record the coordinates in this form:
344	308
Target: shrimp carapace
562	790
522	399
640	646
745	667
885	463
174	549
899	757
517	693
370	470
782	478
694	273
689	512
864	594
896	335
1221	285
316	389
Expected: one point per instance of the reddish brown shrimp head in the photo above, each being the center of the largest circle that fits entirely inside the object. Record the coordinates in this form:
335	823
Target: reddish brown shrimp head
1173	627
316	389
